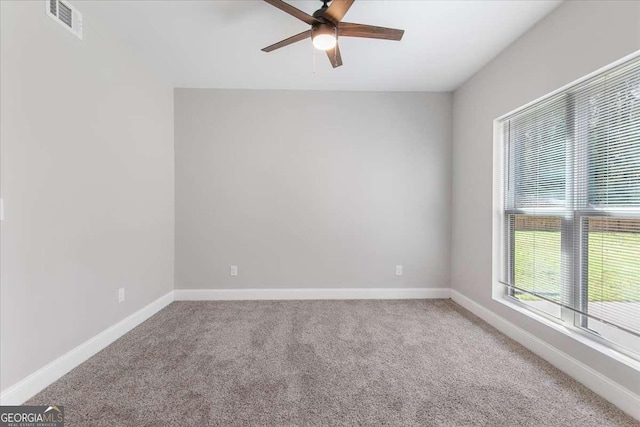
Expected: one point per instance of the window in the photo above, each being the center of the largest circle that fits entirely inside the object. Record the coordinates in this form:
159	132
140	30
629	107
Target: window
571	206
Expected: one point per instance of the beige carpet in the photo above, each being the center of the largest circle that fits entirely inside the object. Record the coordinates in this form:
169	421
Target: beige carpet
312	363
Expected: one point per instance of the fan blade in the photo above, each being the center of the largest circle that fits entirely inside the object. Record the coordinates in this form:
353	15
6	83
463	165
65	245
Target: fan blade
348	29
285	7
334	56
338	9
290	40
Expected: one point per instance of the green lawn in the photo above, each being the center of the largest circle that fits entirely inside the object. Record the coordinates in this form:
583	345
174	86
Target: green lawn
614	264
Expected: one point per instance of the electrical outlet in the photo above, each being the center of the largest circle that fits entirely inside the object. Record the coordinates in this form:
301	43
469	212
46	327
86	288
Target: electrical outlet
398	270
234	270
121	295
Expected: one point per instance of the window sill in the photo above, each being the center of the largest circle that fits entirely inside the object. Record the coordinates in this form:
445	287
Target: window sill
573	333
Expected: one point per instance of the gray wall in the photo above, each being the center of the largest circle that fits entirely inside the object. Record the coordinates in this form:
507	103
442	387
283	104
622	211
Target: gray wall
574	40
312	189
87	178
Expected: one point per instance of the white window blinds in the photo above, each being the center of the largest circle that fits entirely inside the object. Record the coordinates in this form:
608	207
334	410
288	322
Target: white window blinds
572	205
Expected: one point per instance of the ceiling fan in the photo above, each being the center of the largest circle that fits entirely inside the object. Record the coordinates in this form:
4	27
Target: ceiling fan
326	26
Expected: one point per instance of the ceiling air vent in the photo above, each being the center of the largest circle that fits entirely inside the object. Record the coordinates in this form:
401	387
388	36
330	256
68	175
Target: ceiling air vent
66	15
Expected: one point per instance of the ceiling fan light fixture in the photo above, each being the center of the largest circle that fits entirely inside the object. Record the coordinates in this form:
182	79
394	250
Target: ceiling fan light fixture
324	41
324	37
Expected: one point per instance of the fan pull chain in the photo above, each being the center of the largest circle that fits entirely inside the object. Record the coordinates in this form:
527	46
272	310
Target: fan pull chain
313	54
335	49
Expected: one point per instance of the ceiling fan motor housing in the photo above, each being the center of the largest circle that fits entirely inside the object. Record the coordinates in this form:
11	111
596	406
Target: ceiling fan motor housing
323	24
322	17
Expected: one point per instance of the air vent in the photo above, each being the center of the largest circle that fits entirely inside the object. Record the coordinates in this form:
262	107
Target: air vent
66	15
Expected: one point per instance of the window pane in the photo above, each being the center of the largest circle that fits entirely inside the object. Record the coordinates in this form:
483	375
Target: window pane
613	124
614	277
539	140
537	261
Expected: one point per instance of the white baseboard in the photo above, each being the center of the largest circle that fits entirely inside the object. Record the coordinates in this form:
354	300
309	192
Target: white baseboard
39	380
620	396
309	294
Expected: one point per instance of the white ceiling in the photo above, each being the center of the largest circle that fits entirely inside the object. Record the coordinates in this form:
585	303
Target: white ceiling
216	44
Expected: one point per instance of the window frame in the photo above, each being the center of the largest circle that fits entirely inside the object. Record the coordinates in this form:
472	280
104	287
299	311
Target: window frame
504	240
